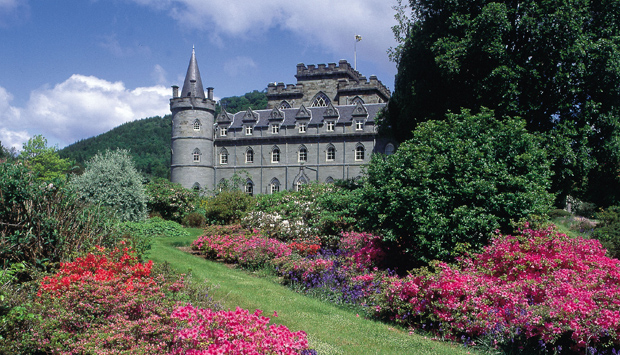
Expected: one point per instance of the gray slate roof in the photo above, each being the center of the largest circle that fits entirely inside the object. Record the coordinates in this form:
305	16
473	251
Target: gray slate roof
345	111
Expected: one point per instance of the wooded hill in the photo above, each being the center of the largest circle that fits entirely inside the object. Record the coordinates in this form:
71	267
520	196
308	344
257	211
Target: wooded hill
148	139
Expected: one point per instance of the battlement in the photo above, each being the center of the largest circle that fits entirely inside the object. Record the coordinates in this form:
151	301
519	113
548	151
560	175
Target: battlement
331	70
281	89
373	84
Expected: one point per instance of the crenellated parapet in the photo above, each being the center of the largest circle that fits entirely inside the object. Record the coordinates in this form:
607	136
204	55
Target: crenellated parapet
331	70
352	88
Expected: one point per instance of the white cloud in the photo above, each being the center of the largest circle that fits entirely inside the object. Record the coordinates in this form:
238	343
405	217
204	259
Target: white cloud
78	108
13	11
239	65
324	23
159	75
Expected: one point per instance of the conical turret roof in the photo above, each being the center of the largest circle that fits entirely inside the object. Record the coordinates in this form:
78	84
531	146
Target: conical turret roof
193	84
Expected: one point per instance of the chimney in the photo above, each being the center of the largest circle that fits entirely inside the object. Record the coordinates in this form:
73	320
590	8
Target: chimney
210	93
175	91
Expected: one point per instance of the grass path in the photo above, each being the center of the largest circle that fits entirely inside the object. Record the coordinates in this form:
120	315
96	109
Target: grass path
330	330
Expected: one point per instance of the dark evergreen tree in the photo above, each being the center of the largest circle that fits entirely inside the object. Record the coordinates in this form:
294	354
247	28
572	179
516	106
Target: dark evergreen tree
554	63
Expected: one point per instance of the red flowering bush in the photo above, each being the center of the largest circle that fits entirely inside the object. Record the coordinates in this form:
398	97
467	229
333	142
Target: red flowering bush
540	287
233	333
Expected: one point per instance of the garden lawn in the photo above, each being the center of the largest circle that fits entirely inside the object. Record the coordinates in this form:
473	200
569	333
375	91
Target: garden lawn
330	330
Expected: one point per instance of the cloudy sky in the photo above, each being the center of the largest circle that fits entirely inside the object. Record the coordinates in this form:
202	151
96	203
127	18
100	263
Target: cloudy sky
73	69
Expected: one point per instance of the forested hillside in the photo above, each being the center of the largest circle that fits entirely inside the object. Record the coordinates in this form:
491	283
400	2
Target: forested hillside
148	140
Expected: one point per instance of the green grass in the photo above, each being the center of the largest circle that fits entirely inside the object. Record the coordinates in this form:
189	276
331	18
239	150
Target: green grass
331	330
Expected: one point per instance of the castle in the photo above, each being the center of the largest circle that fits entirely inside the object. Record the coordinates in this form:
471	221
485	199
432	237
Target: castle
320	129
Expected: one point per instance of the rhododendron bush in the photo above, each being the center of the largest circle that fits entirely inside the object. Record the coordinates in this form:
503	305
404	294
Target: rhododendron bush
109	303
539	287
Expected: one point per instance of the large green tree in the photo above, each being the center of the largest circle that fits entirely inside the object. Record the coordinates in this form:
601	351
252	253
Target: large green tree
456	181
44	160
555	63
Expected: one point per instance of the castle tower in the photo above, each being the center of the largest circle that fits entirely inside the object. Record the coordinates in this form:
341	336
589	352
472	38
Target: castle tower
192	132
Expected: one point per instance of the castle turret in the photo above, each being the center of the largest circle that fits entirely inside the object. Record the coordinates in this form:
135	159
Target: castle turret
192	132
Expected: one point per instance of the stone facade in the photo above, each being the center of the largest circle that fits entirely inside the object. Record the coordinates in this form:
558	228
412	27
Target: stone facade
321	129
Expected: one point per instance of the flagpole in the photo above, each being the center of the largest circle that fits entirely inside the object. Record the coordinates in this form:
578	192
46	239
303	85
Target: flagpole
357	39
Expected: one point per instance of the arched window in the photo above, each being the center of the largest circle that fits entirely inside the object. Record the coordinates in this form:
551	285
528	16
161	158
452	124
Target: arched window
355	100
275	155
284	104
274	186
359	152
300	183
196	155
320	100
249	155
249	187
302	155
389	149
330	154
196	186
329	180
197	125
223	156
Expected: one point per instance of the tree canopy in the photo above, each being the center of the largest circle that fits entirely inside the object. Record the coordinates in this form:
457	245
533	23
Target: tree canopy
44	160
456	181
554	63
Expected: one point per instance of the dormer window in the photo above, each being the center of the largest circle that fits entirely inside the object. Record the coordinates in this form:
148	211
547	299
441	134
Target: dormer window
249	130
223	131
359	125
275	128
302	127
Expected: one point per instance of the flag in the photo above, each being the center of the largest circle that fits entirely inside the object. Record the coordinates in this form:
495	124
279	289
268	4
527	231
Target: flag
358	38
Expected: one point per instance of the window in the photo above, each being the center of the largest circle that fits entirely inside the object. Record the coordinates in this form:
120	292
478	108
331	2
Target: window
249	187
302	127
197	125
275	155
389	149
223	131
284	104
275	128
196	186
320	100
196	155
330	126
359	125
329	180
224	156
302	155
248	130
249	156
357	100
331	153
299	184
359	152
274	186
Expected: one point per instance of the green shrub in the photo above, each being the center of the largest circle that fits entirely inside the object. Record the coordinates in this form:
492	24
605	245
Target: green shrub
227	207
170	200
607	230
141	234
45	222
456	182
111	180
195	219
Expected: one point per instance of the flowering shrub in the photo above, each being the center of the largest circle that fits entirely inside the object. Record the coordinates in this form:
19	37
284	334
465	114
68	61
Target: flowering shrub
109	303
248	250
540	287
170	200
234	333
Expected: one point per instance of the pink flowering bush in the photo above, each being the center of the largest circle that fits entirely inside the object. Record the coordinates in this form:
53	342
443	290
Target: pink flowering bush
539	289
248	250
233	333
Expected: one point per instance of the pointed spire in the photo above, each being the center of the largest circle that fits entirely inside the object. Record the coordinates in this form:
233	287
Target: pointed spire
193	84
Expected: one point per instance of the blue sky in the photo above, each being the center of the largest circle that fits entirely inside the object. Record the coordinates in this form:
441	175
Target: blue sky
73	69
